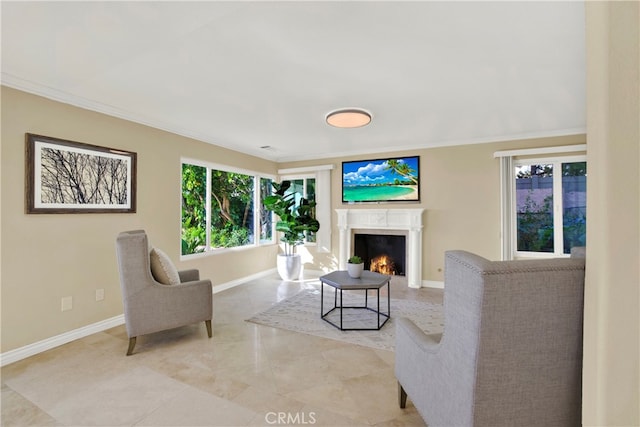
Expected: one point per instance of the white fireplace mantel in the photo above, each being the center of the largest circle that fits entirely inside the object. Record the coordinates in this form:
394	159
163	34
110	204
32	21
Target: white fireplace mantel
409	220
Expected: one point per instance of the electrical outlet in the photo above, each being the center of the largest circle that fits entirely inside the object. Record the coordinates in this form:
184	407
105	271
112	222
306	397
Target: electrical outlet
99	294
67	303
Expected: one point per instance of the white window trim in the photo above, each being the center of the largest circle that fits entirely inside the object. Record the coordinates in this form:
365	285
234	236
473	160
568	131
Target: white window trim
507	207
322	174
256	200
508	160
557	205
256	218
545	151
304	178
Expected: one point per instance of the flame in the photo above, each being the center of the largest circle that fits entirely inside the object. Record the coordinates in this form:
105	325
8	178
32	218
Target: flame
383	264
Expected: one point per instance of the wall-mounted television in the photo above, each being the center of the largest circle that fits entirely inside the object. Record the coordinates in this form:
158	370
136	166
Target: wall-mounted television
394	179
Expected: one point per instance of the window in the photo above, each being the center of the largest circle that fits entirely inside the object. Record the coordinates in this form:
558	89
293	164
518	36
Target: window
315	182
266	217
231	209
550	205
304	188
544	200
221	208
194	209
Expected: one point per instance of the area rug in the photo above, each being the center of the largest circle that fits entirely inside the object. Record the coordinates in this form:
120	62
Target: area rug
301	313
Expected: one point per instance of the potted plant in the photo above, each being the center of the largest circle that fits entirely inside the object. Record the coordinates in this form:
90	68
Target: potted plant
294	220
355	265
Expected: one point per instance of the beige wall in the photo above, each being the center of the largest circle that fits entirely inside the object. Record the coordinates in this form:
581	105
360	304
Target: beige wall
612	293
460	192
47	257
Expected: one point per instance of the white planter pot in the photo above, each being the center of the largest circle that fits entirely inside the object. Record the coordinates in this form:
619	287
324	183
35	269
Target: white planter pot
289	266
355	270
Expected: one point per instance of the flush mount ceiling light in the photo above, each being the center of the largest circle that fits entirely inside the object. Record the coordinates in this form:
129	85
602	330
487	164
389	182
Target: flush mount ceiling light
349	118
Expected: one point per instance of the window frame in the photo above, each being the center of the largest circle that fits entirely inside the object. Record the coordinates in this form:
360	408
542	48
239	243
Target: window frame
322	174
304	177
256	217
257	176
558	213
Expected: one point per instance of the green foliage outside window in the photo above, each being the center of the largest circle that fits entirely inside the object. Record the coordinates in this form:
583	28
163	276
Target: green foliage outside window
535	213
535	226
574	229
194	197
231	209
266	217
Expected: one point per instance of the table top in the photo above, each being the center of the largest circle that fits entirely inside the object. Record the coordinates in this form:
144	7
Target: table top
369	280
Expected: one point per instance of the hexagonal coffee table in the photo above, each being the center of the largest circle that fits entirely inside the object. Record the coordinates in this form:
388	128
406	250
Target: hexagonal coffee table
341	281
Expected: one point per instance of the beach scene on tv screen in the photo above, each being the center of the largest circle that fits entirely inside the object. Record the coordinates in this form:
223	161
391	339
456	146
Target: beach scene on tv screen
380	180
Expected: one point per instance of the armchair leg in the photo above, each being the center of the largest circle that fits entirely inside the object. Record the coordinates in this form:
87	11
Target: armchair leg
208	323
132	344
402	396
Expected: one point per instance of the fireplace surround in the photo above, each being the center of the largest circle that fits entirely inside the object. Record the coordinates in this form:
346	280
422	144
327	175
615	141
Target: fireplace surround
408	221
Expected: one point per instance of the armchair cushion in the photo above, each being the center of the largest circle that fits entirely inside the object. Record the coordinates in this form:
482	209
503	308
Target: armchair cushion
162	268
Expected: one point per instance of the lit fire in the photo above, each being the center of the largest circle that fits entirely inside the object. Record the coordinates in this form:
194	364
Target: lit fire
383	264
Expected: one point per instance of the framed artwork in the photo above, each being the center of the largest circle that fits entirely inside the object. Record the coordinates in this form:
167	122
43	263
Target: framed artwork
381	180
72	177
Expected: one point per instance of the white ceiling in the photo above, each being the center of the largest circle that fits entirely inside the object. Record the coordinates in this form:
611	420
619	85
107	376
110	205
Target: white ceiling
249	74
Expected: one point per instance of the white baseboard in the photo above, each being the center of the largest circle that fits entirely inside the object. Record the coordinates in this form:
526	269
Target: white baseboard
29	350
58	340
228	285
432	284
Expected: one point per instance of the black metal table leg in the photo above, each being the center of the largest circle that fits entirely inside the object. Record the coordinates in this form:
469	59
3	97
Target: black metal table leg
389	298
341	307
378	309
321	299
339	281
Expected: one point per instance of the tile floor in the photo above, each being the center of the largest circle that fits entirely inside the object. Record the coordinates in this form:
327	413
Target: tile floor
246	375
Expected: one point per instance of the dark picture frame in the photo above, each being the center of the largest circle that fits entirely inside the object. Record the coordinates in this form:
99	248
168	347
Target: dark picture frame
73	177
383	180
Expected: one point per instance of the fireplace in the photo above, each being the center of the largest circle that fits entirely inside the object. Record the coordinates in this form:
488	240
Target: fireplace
381	252
407	222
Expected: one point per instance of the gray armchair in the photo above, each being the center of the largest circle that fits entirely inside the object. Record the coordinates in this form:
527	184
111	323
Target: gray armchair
150	306
511	350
